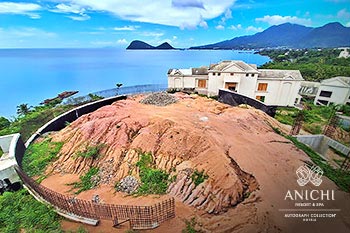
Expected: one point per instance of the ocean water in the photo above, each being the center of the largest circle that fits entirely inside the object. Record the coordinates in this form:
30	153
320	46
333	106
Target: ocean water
32	75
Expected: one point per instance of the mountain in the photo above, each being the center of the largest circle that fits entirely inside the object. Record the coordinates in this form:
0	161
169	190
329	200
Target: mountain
330	35
165	45
138	45
289	35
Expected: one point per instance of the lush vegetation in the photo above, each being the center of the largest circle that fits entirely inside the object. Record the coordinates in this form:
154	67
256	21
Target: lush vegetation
315	117
198	177
1	152
154	181
39	155
314	65
30	119
339	177
87	181
20	212
90	151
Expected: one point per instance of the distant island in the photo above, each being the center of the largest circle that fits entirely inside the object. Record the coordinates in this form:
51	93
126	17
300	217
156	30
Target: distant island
289	35
140	45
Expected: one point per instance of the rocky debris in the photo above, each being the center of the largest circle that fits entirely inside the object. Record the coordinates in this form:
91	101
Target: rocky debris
159	99
96	199
128	185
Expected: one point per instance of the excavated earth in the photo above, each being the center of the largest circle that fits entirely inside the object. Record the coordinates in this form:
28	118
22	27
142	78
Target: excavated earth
249	166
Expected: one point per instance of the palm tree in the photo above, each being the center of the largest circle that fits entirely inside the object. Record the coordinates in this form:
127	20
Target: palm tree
23	109
118	86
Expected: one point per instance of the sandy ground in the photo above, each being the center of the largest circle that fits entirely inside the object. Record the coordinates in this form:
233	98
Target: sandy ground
242	135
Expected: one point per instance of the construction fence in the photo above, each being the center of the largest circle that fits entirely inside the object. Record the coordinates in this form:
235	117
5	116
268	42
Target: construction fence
140	217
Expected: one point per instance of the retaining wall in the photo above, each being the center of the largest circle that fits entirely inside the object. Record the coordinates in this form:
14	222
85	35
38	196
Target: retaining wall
321	143
235	99
13	148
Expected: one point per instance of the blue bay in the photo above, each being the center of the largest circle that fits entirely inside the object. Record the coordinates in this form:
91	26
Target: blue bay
32	75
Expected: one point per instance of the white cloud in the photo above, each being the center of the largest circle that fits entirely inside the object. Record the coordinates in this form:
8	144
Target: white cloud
20	8
122	41
126	28
77	11
254	29
237	27
278	19
183	14
82	17
343	14
220	27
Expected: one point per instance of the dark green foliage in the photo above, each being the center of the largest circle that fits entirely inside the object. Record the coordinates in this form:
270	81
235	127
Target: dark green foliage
39	155
20	212
94	97
314	65
4	123
1	152
86	181
154	181
27	124
190	226
23	109
198	177
90	151
339	177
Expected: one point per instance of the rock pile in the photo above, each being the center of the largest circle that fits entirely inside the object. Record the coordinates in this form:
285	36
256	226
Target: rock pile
159	99
129	184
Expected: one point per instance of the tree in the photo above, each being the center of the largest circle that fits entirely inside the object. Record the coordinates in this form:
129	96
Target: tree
118	87
4	123
23	109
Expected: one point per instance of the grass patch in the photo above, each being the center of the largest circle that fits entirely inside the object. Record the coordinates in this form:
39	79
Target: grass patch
339	177
90	151
20	212
154	181
39	155
190	226
86	181
198	177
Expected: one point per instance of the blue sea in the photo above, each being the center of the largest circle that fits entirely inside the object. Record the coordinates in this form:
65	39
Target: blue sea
32	75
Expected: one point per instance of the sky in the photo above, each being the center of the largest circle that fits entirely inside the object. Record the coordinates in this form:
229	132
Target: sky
182	23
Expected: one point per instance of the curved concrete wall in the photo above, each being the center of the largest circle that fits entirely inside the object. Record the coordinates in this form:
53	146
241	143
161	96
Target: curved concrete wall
18	148
60	122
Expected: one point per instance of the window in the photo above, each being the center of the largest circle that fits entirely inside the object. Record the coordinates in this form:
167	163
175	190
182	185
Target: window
234	74
219	74
247	75
326	93
324	102
202	83
213	74
260	98
231	86
262	87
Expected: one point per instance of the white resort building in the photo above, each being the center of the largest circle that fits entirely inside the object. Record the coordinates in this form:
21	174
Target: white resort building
333	91
273	87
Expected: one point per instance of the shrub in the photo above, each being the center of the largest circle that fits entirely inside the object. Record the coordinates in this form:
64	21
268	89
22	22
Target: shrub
39	155
87	181
190	226
90	151
20	212
198	177
154	181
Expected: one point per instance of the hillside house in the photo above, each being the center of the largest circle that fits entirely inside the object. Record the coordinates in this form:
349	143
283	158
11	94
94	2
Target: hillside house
333	91
273	87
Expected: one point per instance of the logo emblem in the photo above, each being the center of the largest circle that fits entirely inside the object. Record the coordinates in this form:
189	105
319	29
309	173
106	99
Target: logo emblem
312	174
